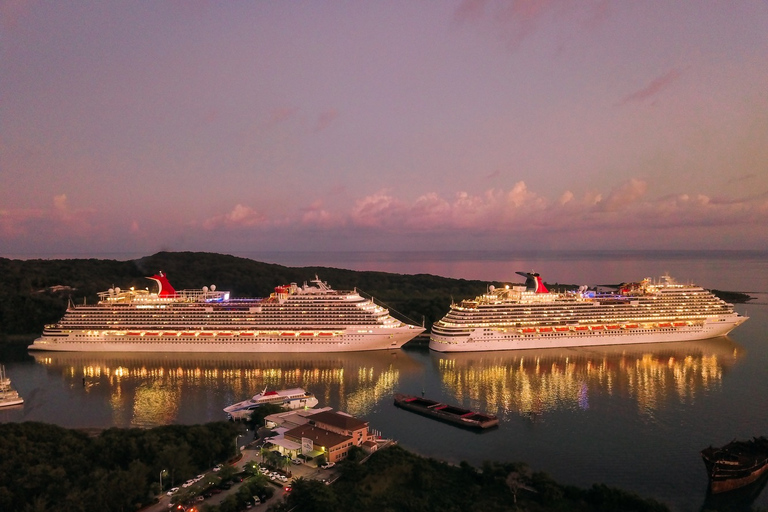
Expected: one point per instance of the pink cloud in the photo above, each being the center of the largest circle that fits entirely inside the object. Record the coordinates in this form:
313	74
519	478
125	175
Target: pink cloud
652	89
14	223
469	10
280	115
59	219
377	210
316	216
240	216
12	11
516	20
623	196
325	119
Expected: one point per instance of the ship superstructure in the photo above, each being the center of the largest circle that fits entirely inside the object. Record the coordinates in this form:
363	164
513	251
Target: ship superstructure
292	319
530	316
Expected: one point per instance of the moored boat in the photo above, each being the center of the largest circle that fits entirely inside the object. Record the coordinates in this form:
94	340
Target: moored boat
296	398
737	464
8	395
453	414
520	317
293	319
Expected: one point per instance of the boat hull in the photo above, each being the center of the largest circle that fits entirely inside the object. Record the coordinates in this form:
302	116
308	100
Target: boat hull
457	416
346	342
11	402
480	340
736	465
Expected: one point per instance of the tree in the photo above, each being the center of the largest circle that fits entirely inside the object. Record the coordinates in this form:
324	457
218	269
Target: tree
227	472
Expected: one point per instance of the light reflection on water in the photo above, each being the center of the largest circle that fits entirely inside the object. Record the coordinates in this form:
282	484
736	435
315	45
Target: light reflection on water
531	382
144	390
149	389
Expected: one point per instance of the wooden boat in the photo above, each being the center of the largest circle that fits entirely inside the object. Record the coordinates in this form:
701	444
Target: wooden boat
452	414
736	464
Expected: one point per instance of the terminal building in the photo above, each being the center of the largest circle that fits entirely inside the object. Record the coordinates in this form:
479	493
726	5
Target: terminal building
316	432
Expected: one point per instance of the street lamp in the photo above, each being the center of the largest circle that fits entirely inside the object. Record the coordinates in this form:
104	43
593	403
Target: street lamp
237	450
161	479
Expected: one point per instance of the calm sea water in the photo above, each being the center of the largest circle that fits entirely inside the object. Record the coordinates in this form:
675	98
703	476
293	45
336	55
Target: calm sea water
633	417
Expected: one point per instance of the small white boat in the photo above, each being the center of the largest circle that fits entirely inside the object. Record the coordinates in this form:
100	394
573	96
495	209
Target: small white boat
8	395
296	398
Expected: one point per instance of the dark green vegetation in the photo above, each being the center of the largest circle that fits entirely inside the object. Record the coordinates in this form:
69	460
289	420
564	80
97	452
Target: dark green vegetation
45	467
733	297
396	480
27	302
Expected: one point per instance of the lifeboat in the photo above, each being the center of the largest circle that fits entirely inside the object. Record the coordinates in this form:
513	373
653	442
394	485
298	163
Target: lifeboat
306	334
612	327
665	324
325	334
581	328
207	334
680	324
132	333
597	327
545	329
188	333
152	334
630	326
528	330
246	334
562	329
287	334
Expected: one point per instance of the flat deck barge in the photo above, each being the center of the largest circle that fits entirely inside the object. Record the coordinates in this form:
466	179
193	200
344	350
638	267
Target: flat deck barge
452	414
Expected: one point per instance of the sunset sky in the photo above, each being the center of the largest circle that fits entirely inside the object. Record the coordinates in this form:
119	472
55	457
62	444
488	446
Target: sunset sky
382	125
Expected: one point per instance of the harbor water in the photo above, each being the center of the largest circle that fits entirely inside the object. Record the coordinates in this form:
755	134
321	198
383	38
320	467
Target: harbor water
634	417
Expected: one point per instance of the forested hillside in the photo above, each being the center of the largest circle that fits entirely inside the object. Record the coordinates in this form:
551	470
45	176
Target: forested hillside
35	292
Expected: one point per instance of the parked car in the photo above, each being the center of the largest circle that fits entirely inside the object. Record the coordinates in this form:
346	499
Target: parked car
297	461
199	498
328	465
171	491
218	467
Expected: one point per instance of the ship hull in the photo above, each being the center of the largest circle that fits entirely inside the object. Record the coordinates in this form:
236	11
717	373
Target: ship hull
480	340
84	342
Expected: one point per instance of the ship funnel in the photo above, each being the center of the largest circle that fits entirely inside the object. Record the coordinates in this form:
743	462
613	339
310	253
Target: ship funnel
533	282
166	290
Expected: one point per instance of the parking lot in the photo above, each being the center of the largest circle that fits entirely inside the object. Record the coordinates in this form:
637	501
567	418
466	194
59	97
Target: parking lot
250	455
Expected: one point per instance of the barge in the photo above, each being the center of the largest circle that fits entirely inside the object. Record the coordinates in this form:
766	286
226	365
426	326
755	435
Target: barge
737	464
452	414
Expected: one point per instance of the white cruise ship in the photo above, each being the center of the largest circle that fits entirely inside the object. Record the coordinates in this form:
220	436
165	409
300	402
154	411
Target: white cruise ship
293	319
530	317
295	398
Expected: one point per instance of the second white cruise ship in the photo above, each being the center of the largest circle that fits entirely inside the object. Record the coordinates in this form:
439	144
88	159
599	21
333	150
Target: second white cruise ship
293	319
526	317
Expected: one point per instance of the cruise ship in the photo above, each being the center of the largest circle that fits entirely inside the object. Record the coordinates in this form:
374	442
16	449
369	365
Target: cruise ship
296	398
292	319
532	317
